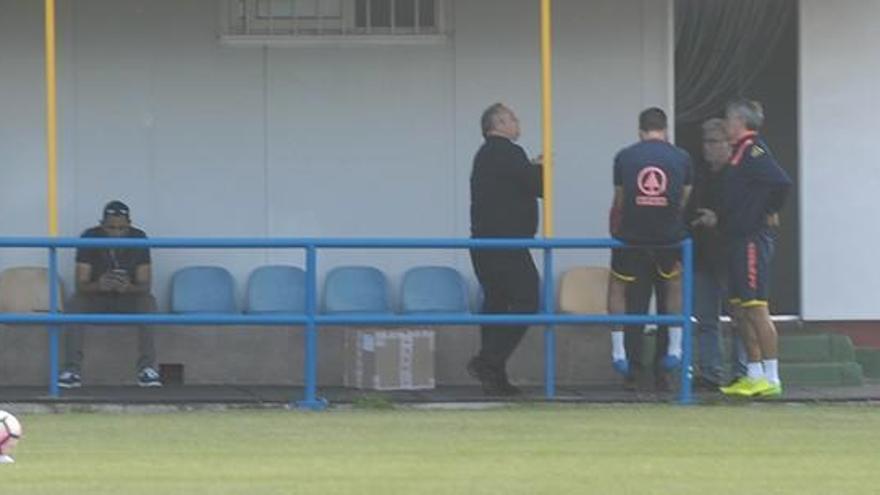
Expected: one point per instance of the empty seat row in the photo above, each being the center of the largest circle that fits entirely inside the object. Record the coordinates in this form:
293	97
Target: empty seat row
349	289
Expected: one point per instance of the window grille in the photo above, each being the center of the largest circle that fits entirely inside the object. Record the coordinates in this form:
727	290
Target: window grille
337	20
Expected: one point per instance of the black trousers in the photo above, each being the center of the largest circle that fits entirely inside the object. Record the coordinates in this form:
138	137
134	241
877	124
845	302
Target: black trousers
509	280
638	301
109	303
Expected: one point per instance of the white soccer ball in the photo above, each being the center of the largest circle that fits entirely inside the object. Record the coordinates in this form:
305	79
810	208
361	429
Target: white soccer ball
10	432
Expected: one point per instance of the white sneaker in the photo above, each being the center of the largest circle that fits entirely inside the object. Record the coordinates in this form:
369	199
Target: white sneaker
148	377
5	459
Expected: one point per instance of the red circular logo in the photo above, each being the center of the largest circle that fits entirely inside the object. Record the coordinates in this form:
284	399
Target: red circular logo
652	181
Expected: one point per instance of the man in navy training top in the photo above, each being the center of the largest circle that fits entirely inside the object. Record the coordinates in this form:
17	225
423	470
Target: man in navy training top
755	189
505	187
652	182
111	280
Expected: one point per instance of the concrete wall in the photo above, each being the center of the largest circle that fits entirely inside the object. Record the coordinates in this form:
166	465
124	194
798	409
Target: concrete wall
840	66
203	139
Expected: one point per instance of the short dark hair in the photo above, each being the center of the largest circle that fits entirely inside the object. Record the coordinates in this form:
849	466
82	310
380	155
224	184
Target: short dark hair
490	117
652	119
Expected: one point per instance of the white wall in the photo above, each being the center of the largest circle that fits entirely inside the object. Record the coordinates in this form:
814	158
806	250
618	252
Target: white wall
209	140
840	67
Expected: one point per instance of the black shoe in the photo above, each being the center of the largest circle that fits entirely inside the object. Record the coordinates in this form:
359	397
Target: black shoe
503	387
493	380
478	369
632	380
662	381
149	377
703	384
69	379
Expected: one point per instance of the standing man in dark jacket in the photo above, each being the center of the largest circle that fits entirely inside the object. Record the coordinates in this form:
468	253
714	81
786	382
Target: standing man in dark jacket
505	187
710	272
755	189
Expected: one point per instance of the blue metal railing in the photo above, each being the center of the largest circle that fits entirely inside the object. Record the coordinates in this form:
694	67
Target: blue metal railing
312	320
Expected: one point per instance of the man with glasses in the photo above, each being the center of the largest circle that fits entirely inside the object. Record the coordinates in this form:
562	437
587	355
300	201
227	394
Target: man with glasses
112	280
709	260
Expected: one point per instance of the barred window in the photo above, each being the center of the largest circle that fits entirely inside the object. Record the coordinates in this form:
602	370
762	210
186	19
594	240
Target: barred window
313	19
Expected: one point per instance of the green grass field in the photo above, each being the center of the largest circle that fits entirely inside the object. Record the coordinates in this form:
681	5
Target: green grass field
763	450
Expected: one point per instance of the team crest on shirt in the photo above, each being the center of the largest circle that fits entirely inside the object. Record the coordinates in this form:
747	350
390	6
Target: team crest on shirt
757	151
652	182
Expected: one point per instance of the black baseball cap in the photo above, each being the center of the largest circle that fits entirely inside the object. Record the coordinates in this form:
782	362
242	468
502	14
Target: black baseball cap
116	208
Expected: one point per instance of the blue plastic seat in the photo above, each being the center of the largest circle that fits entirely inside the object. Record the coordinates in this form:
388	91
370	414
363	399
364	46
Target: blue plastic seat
433	289
276	289
356	289
203	289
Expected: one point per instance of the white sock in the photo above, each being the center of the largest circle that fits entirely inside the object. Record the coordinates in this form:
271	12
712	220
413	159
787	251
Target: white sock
618	350
674	347
771	369
755	371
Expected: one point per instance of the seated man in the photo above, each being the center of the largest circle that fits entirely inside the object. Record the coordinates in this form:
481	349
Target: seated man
110	280
652	182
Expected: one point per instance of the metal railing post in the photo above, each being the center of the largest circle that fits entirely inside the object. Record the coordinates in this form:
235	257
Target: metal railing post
549	331
54	333
311	401
685	396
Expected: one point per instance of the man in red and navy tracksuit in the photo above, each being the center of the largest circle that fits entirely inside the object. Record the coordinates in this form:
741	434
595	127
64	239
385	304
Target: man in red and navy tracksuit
754	190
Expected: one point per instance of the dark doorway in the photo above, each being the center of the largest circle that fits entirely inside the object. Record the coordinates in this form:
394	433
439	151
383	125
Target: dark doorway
745	48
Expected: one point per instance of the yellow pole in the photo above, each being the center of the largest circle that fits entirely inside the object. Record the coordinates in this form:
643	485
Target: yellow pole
51	119
547	112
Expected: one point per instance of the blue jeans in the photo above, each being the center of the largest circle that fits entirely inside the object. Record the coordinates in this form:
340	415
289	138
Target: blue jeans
708	294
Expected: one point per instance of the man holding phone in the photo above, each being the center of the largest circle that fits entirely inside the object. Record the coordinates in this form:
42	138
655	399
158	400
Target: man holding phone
112	280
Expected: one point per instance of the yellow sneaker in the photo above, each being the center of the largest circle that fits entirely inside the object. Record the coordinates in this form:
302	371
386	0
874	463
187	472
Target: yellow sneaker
775	390
733	386
747	387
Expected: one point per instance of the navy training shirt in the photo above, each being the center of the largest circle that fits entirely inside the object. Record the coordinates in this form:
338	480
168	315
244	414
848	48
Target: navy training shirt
653	174
754	186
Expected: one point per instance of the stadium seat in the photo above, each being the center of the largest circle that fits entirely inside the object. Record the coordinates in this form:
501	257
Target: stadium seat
433	289
276	289
584	290
203	289
356	289
26	290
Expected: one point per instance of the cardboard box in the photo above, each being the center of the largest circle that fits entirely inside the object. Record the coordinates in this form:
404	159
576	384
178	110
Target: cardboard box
390	359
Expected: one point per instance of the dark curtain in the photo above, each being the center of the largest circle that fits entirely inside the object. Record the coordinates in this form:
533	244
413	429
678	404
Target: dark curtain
721	46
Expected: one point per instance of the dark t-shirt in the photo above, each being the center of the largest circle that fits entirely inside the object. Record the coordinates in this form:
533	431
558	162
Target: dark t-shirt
653	174
103	260
505	188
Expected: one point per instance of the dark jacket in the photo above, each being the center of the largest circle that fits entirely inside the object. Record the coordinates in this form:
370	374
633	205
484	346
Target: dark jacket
754	186
708	241
505	188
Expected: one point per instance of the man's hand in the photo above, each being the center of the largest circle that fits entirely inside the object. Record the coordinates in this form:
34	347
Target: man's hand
773	220
108	282
705	218
123	281
537	160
